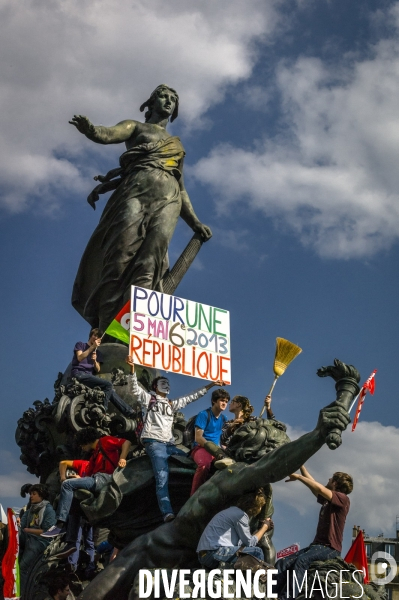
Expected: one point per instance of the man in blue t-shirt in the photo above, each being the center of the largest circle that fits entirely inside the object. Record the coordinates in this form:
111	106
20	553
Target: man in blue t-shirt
208	428
86	363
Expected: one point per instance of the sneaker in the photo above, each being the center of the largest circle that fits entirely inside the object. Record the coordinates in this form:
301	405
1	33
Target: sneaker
169	517
223	463
53	532
66	551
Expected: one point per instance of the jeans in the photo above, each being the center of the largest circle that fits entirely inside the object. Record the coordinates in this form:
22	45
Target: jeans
92	484
159	453
204	461
211	558
78	527
31	547
299	562
110	395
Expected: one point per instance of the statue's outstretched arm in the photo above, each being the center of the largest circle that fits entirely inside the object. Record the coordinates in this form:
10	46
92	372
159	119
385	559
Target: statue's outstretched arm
287	459
117	134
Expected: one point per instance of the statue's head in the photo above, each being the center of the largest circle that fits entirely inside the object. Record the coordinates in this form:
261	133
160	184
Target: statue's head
256	438
151	101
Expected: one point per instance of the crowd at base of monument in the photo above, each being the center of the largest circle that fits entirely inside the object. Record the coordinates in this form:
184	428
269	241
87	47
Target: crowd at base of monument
217	583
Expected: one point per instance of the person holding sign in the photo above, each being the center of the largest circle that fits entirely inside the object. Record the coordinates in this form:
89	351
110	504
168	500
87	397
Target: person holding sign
157	434
85	367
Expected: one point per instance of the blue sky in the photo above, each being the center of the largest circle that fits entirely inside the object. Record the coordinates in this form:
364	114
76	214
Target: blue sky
289	117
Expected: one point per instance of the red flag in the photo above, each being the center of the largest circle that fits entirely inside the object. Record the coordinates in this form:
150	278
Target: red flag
9	564
357	556
368	386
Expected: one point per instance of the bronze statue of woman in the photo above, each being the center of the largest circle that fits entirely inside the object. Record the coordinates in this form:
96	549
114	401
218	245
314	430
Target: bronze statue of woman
129	246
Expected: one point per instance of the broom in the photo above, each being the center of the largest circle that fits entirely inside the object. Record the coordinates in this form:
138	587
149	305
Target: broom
285	353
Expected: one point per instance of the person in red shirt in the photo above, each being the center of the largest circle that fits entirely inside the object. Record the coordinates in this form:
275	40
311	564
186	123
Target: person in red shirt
327	543
107	453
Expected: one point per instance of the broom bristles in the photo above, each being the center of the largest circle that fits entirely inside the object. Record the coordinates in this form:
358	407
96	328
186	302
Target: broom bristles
286	351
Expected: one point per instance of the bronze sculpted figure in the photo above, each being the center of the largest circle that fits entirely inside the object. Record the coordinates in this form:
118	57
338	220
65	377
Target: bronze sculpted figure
129	245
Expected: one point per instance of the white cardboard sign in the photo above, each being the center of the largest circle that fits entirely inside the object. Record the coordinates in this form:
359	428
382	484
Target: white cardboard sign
180	336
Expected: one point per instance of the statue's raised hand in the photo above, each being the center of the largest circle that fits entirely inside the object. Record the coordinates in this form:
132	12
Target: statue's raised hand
338	371
83	125
347	378
333	418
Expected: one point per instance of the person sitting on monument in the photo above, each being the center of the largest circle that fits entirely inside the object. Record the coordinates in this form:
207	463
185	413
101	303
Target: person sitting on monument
157	434
208	429
37	519
59	588
107	453
242	410
229	530
330	529
86	364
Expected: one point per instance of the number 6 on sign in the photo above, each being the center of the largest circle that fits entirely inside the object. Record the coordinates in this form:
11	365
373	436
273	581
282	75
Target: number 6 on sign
175	338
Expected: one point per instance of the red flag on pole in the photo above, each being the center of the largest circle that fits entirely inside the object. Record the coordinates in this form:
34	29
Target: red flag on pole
369	386
9	564
357	556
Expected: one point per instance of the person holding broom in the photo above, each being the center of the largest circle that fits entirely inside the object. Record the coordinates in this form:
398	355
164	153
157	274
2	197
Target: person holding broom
242	410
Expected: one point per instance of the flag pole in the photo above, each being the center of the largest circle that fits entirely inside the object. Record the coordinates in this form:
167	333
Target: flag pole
353	403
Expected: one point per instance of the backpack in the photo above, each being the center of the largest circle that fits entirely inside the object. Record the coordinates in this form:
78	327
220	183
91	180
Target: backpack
189	430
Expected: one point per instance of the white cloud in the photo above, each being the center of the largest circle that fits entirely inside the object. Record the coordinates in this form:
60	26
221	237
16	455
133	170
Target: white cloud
331	174
231	239
369	454
103	58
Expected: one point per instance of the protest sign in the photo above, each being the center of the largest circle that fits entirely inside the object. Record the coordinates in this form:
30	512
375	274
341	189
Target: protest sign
181	336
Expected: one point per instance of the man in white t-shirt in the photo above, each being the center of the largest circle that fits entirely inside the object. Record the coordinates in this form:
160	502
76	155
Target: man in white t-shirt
157	434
